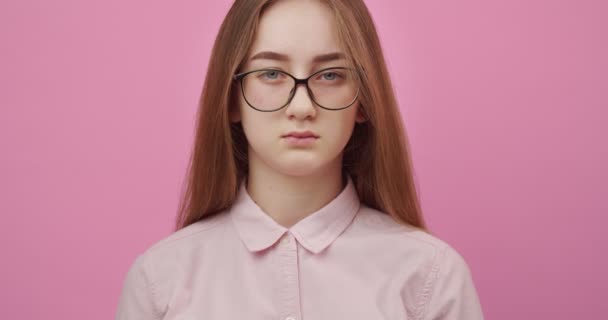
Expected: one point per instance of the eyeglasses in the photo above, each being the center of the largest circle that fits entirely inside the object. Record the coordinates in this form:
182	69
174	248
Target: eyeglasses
269	90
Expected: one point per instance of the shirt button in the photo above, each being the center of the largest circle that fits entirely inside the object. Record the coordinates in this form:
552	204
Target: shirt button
286	241
290	318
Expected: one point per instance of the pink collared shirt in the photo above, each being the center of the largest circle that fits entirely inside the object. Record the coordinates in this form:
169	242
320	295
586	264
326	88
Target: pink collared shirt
344	261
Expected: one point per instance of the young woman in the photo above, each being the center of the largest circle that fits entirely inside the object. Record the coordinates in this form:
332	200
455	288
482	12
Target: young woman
300	199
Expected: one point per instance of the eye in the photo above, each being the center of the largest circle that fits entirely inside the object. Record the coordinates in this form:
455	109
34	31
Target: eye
331	75
271	75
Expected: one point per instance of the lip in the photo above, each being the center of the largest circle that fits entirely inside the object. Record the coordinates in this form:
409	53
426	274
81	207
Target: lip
300	142
301	134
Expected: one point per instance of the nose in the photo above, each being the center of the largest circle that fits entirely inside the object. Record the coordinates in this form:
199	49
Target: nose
301	106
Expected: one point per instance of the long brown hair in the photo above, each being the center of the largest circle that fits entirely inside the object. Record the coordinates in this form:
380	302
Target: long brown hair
377	155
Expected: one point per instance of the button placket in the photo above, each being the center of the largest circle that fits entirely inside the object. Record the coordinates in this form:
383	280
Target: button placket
288	278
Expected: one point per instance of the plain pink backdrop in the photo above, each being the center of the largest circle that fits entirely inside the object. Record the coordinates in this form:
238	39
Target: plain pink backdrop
505	104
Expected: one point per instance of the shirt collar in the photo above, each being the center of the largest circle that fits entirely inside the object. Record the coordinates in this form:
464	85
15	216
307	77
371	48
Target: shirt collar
315	232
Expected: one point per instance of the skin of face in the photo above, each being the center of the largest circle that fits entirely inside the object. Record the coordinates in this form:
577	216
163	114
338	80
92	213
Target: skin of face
300	29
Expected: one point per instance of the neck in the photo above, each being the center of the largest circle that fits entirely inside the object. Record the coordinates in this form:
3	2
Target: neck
288	199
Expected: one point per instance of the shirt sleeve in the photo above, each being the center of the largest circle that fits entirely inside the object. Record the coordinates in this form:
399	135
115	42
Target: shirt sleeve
453	295
137	297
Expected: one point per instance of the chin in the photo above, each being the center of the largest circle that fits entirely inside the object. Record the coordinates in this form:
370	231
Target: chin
298	167
298	170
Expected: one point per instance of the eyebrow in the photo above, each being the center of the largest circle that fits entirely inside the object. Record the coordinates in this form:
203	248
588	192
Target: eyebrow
270	55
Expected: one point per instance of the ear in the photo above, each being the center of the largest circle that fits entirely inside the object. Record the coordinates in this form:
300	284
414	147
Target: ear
360	115
235	114
234	107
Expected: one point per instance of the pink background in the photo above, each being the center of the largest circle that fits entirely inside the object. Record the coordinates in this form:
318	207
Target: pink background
504	102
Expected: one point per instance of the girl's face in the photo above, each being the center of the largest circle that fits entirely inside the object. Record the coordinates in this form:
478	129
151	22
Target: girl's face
300	31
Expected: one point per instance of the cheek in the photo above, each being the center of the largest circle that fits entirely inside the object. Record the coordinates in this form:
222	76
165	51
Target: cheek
258	126
343	124
350	113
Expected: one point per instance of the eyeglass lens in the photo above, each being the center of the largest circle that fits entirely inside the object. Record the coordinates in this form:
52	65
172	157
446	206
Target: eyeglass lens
271	89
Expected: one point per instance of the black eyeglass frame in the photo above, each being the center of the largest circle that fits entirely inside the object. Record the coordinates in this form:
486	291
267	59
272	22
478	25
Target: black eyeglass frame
239	77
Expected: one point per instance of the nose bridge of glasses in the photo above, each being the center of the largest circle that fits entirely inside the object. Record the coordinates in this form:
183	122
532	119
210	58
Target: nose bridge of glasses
304	82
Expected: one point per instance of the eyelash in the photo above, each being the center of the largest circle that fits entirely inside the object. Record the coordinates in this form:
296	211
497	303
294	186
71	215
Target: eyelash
337	74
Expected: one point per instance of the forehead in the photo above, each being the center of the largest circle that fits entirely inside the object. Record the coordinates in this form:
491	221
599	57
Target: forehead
301	29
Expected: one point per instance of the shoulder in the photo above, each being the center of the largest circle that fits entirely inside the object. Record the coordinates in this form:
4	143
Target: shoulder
185	240
166	257
437	274
377	224
425	251
165	261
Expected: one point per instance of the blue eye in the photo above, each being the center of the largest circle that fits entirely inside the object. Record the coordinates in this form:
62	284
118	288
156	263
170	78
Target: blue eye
331	76
273	74
330	73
